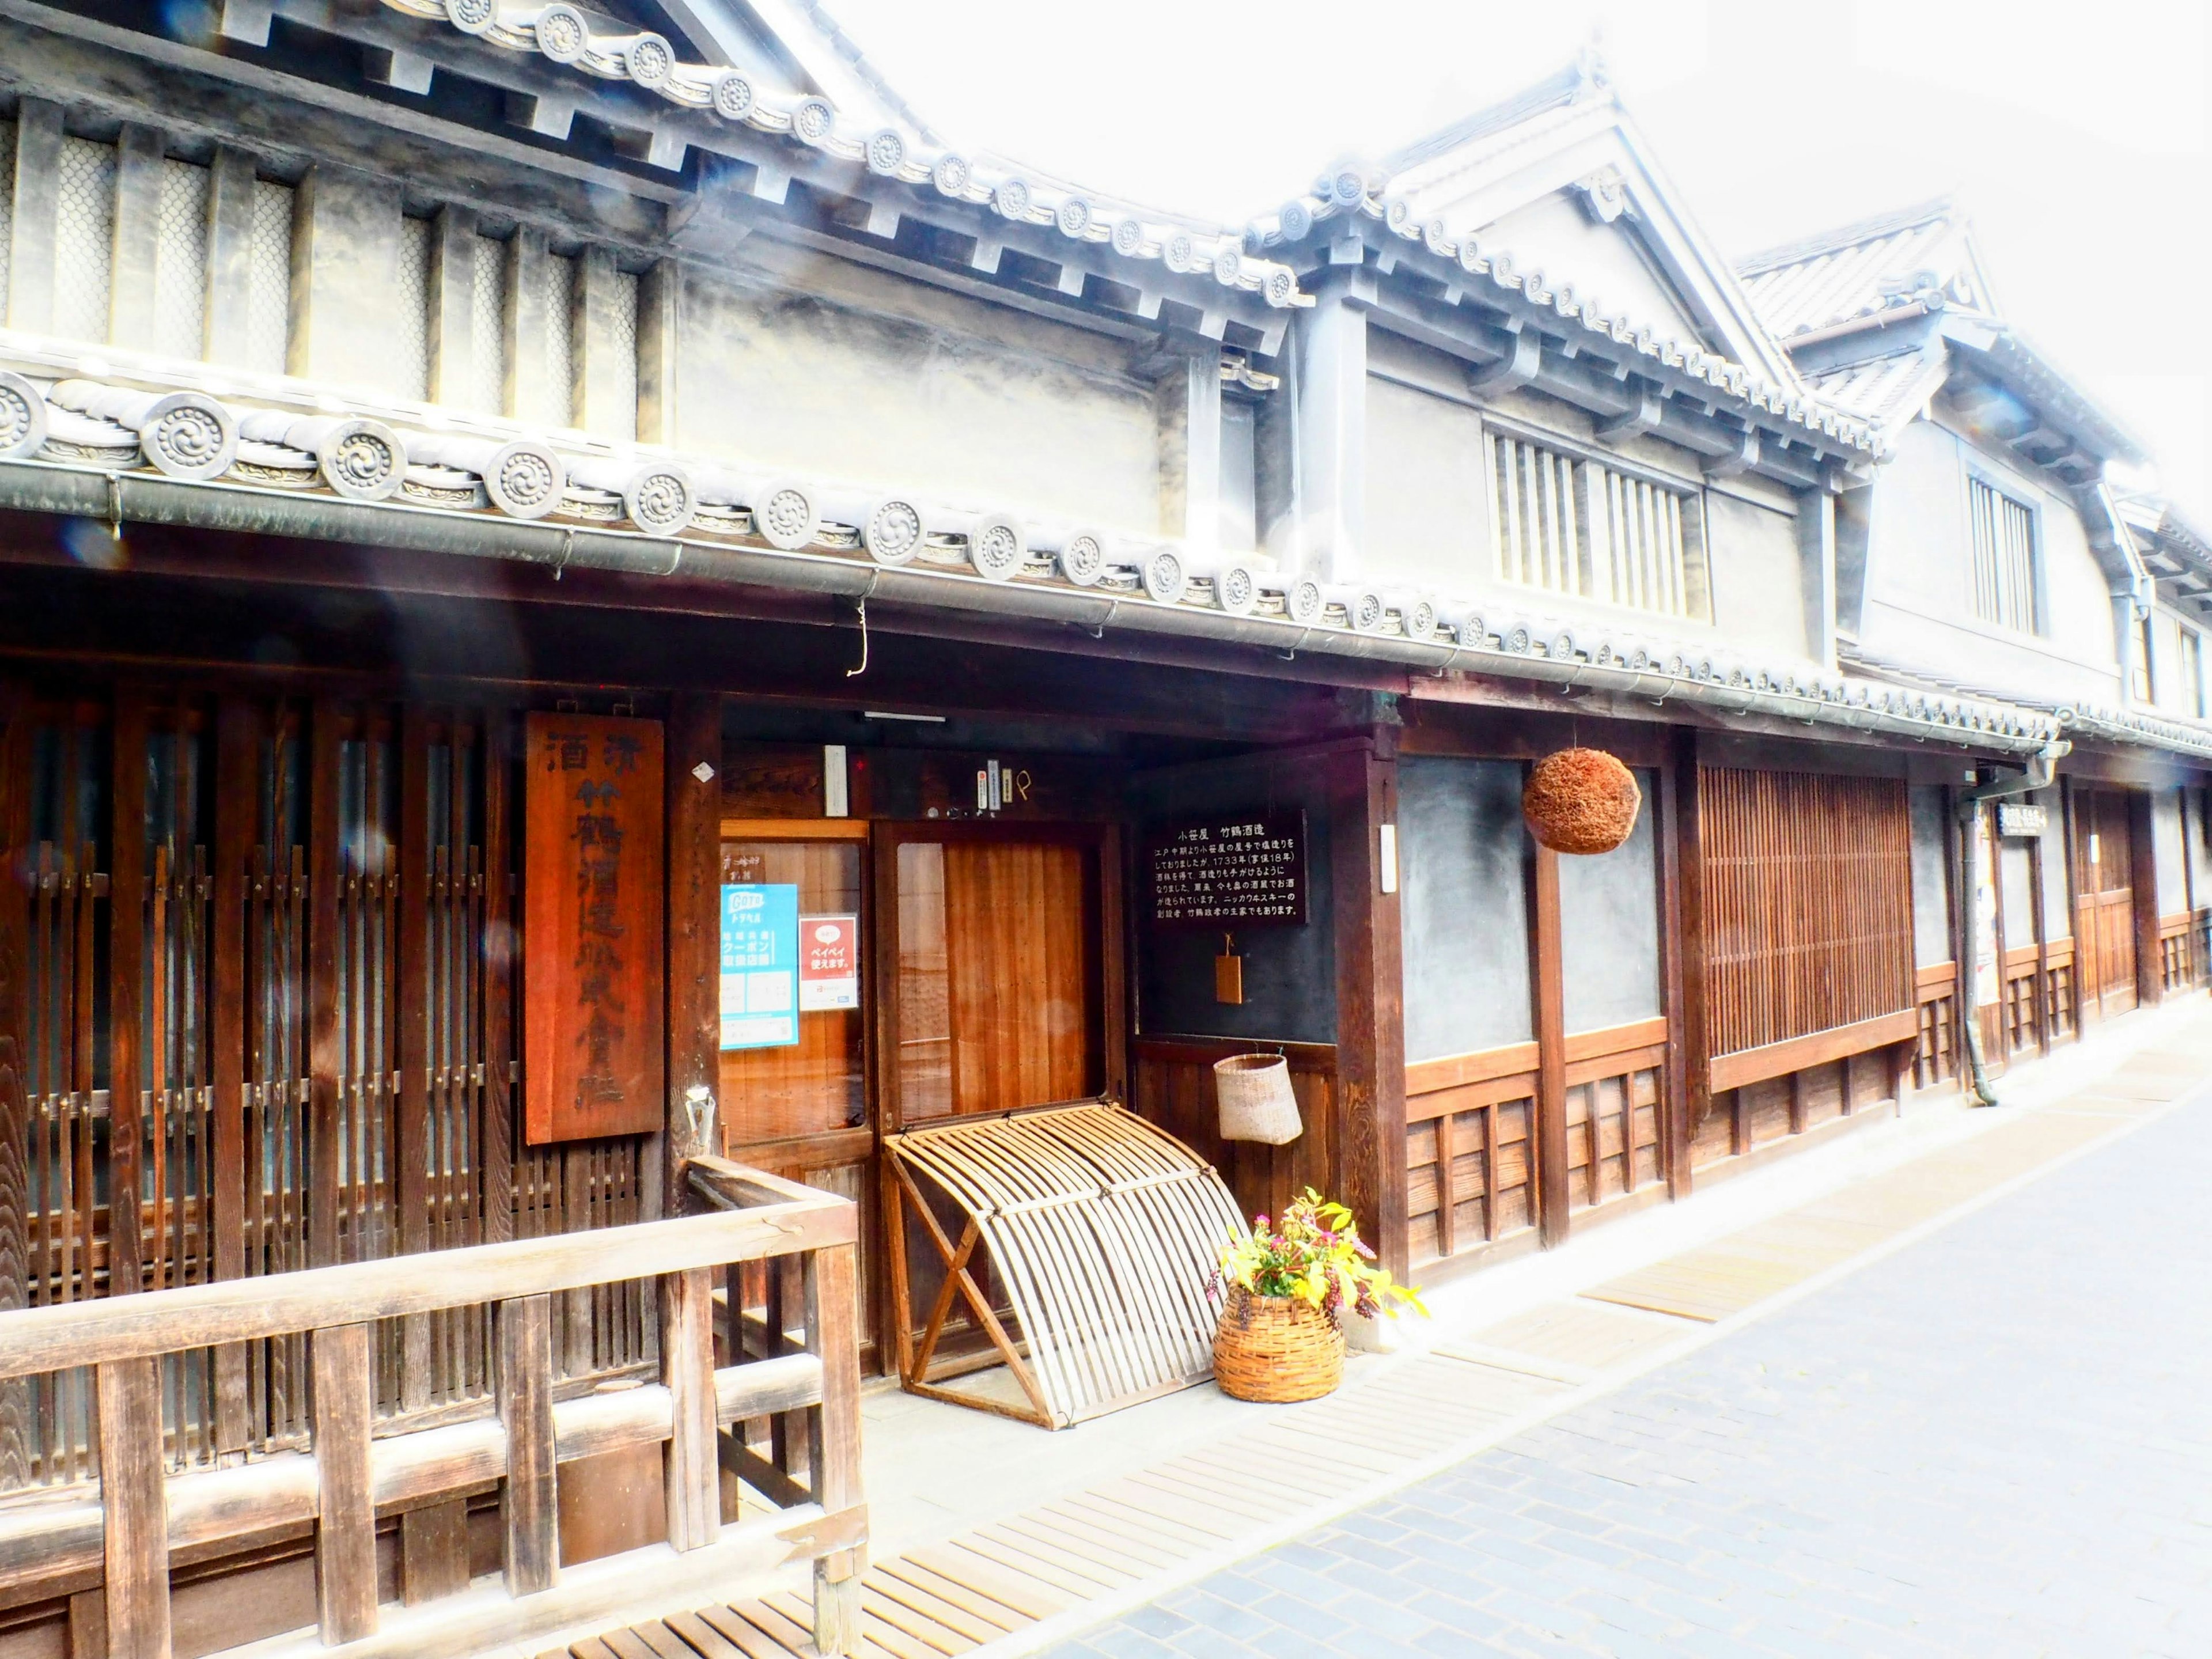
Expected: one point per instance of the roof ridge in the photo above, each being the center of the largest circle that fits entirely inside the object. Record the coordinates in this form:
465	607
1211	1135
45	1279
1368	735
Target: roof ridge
1842	236
1563	86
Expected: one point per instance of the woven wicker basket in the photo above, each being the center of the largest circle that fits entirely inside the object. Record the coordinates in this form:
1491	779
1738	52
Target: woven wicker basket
1276	1348
1254	1094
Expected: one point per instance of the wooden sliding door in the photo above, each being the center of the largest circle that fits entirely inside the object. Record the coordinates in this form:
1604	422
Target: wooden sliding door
2104	868
1000	991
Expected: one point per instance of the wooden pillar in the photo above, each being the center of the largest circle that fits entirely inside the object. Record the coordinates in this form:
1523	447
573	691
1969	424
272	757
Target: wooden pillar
126	938
833	1336
1673	1156
1370	1028
2000	1048
1688	1021
237	802
1548	975
345	1513
15	720
134	1508
692	1474
325	1052
694	924
530	1503
501	954
659	330
2143	877
411	1182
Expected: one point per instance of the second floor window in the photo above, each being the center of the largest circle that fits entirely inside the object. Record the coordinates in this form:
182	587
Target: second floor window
1580	527
2005	584
2145	688
2192	671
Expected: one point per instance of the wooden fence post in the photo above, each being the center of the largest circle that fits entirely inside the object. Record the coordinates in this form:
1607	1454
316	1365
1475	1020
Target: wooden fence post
345	1515
531	1502
693	1472
134	1507
833	1336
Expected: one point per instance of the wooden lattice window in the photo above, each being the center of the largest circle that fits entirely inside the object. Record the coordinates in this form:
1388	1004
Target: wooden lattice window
1575	525
1808	903
2006	590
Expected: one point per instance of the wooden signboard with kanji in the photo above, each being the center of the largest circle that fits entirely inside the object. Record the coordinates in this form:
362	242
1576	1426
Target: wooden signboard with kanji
592	1025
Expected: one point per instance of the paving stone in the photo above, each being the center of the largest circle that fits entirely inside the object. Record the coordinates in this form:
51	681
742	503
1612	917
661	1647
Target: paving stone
1986	1445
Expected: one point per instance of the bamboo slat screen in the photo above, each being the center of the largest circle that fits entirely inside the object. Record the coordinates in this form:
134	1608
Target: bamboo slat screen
1578	526
1809	902
257	968
2004	559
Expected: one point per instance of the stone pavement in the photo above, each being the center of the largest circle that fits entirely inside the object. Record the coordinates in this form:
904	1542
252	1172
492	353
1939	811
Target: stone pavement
1994	1441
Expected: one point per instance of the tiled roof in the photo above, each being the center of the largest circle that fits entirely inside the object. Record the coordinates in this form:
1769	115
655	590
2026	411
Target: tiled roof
2078	715
265	455
902	153
1883	390
1861	271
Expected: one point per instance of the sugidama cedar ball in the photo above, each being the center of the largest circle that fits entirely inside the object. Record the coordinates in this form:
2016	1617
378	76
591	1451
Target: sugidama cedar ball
1581	800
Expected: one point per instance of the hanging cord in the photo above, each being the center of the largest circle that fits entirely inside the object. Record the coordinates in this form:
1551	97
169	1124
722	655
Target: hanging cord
860	611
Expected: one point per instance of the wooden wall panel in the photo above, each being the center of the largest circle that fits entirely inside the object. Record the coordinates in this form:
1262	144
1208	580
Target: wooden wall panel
1174	1089
1808	903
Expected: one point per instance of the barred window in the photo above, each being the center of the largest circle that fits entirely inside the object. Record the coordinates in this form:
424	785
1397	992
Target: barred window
2006	590
1581	527
2192	672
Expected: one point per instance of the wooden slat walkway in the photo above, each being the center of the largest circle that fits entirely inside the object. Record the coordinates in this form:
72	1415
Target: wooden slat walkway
963	1594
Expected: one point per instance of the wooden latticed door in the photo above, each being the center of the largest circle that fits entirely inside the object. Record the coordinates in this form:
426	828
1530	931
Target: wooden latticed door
2104	866
257	960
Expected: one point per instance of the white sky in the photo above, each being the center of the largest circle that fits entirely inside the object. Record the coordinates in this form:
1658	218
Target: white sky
2075	133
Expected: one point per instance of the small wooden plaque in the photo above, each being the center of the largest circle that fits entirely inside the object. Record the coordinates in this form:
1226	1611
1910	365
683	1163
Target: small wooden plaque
592	900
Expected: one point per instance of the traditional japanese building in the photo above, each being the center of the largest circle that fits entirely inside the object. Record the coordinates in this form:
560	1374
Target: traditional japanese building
601	632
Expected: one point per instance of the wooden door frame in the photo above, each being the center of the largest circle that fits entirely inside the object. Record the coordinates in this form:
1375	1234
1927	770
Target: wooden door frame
2142	878
1105	973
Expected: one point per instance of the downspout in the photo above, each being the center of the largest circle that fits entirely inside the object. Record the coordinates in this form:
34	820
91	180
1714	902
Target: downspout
2041	767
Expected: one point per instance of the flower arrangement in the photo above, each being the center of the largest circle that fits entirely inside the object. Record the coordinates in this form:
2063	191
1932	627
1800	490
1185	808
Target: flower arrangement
1313	1254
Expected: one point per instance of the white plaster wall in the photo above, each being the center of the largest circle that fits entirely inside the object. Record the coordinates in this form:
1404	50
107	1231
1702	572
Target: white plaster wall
2170	852
1606	263
1920	577
861	378
1428	513
1757	576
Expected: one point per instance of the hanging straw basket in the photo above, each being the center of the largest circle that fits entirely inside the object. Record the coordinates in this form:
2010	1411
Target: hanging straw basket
1274	1349
1253	1093
1581	800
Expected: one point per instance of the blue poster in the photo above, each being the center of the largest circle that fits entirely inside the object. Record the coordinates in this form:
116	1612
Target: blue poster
760	965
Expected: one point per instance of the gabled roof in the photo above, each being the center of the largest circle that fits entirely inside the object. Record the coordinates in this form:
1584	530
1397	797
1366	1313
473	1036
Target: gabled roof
1857	271
1887	389
1438	218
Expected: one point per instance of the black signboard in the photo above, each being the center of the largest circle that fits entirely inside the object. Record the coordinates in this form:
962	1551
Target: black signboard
1245	872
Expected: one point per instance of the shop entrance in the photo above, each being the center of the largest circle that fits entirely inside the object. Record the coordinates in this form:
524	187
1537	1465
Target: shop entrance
2103	864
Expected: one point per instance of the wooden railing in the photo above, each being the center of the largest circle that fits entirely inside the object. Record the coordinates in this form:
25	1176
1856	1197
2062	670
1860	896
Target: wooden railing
356	1466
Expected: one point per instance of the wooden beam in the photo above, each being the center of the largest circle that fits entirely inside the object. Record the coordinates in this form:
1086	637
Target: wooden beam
1751	1066
35	1340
